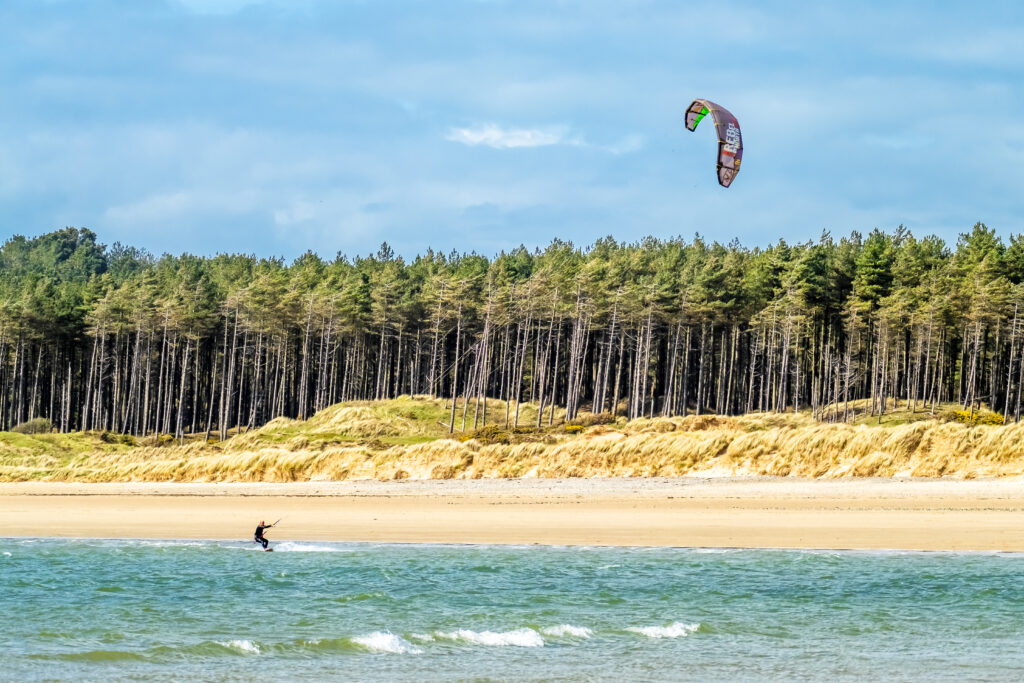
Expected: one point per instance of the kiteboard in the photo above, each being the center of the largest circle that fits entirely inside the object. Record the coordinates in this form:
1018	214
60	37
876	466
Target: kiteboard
268	550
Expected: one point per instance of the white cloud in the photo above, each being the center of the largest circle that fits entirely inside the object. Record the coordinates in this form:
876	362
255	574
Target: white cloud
492	135
497	137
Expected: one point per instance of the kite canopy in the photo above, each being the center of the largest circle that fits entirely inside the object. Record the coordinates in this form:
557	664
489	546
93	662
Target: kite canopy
730	142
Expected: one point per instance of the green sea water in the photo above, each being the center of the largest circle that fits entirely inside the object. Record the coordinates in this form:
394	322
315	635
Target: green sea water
209	610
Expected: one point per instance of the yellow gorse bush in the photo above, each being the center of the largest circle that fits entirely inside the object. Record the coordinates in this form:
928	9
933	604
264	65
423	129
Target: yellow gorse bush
977	418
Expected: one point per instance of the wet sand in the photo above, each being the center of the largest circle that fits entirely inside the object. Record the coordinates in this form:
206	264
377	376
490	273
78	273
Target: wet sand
723	512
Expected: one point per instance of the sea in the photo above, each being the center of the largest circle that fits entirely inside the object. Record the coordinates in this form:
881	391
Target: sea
108	610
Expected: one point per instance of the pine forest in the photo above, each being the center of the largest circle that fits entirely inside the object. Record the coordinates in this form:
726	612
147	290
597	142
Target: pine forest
113	338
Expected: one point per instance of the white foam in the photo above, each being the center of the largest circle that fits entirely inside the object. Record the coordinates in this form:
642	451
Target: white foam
6	554
520	637
386	641
242	646
563	630
290	547
675	630
170	544
422	637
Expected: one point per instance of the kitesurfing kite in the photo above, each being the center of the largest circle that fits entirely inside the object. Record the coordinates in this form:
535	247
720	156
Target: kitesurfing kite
730	142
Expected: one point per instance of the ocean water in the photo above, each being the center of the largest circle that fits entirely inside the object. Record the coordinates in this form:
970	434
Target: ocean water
209	610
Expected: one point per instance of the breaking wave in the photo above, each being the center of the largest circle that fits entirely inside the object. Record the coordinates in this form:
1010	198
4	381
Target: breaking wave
520	637
246	646
293	547
567	630
676	629
385	641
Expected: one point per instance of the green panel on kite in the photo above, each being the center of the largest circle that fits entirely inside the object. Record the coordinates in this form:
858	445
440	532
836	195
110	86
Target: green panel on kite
700	116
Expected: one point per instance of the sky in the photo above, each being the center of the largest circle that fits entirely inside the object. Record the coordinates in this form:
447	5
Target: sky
277	127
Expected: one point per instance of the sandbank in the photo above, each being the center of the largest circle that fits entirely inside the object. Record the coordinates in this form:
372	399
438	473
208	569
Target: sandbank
747	512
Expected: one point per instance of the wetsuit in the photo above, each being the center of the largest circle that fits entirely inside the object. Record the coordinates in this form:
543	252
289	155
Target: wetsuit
258	536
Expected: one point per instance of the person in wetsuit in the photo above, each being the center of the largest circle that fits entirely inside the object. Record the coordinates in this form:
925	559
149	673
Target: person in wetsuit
259	537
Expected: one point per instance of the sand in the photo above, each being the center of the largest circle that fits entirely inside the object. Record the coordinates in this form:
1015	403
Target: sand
755	512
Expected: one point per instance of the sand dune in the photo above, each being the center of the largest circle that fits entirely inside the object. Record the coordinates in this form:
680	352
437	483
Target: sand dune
379	441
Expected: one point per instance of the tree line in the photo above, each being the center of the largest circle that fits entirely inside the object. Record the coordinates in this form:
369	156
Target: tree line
97	338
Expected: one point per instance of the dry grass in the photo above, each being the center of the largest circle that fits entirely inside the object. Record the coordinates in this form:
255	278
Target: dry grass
403	438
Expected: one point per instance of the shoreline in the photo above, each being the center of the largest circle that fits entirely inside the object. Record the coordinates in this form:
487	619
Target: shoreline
733	512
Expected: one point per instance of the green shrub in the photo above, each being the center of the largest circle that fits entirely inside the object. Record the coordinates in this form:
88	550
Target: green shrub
116	437
39	425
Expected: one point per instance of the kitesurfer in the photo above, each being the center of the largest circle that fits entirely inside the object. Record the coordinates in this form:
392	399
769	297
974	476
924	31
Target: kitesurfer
259	537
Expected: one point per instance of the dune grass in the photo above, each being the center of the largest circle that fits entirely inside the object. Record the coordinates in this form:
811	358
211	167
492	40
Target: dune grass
44	456
408	437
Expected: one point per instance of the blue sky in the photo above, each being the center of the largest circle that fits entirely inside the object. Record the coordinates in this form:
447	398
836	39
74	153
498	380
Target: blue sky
276	127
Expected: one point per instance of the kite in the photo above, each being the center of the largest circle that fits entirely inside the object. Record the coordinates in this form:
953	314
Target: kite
730	142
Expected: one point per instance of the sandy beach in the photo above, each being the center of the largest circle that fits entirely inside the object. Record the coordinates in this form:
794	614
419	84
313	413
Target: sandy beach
729	512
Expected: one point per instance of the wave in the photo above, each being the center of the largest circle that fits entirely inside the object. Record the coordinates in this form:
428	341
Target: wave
567	630
383	642
246	646
386	641
676	629
294	547
356	546
93	656
246	545
205	648
520	637
170	543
